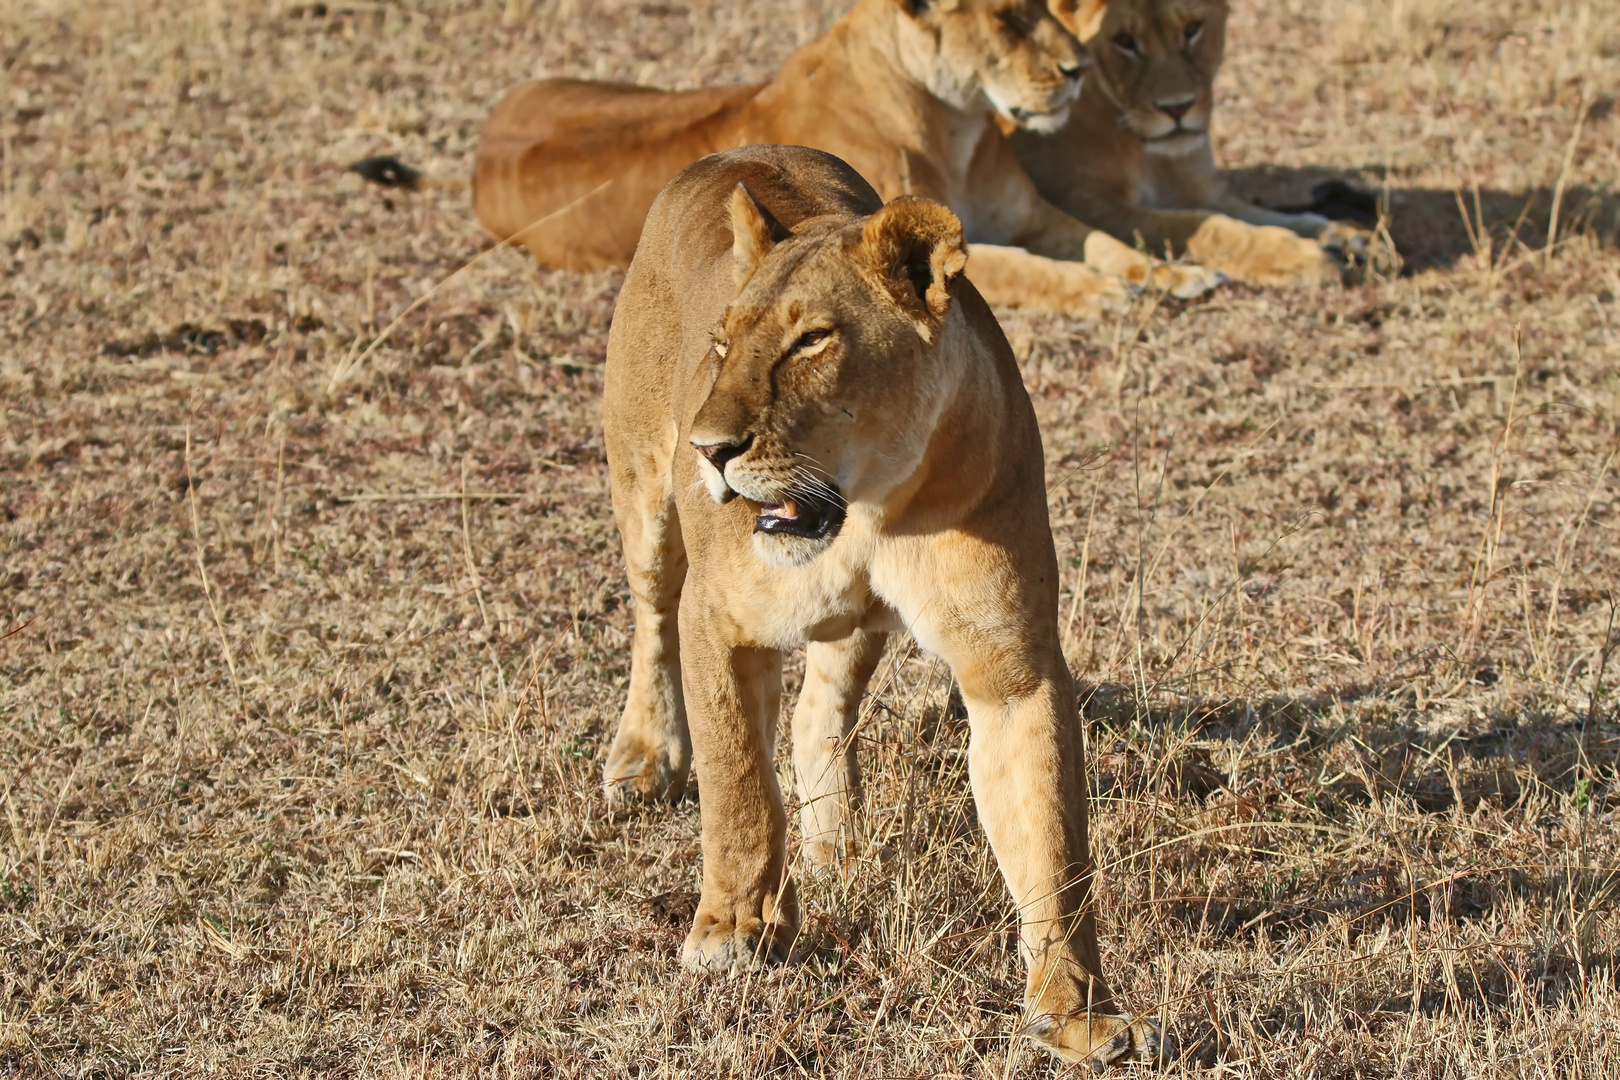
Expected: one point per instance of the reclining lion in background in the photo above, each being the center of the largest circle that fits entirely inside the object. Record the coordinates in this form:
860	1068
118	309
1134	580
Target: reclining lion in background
1134	157
906	91
817	434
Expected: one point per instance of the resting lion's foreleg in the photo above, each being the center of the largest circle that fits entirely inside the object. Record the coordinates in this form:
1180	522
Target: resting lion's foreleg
1013	277
824	760
1261	254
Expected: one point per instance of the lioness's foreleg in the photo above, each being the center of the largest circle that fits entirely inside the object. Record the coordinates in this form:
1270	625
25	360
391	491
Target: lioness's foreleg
747	911
1027	767
652	751
824	761
997	627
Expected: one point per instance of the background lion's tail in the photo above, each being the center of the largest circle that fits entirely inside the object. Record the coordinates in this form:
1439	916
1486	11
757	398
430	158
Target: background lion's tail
394	173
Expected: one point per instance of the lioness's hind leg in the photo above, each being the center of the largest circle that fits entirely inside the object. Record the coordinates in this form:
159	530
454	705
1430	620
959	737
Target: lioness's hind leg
824	762
652	752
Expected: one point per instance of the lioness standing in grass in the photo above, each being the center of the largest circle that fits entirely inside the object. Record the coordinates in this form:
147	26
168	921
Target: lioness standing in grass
906	91
1134	156
817	434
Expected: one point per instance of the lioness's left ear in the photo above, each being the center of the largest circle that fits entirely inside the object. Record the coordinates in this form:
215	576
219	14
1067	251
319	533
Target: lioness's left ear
916	245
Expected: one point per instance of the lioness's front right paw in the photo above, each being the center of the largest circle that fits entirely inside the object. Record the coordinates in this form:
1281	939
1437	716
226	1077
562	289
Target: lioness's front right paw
1262	254
1101	1040
641	769
725	946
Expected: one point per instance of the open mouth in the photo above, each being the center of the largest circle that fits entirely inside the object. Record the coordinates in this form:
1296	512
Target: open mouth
814	519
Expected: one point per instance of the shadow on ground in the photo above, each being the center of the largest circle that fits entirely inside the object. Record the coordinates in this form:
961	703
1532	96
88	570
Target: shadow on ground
1429	225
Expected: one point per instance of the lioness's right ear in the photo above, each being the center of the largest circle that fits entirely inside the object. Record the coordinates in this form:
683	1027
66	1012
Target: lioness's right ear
916	246
754	231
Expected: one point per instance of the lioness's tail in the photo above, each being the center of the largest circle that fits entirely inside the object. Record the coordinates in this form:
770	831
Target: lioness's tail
394	173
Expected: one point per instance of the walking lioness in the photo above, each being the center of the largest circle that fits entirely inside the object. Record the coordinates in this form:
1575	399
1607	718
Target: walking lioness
906	91
817	434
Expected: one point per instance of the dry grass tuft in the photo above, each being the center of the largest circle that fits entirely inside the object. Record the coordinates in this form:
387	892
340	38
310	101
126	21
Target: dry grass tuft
299	779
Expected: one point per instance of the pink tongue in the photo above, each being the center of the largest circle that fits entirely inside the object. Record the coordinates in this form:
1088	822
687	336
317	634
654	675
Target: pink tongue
788	511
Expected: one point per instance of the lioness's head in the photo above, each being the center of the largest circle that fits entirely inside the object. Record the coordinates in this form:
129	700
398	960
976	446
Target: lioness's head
1156	60
827	368
1014	52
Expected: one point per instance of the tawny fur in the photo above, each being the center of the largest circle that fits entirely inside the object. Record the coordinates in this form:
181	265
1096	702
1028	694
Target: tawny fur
1127	163
907	93
748	365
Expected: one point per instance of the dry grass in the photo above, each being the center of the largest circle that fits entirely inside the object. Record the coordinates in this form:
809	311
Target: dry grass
295	784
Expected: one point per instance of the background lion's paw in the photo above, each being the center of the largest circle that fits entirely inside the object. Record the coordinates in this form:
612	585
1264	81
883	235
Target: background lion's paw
1359	249
1188	281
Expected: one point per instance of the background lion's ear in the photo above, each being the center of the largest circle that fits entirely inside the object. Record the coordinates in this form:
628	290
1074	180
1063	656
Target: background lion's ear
915	8
1082	18
916	245
754	231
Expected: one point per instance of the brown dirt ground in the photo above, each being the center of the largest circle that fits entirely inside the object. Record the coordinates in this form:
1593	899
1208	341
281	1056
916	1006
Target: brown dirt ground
299	768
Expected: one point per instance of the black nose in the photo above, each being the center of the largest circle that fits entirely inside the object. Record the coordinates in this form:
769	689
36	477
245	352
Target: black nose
1175	110
721	453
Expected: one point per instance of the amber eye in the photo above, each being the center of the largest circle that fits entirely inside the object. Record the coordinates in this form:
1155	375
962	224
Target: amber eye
1193	32
807	339
1126	44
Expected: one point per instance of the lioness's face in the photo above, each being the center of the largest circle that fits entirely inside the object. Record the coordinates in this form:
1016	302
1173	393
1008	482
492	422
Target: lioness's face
1157	61
1014	52
826	370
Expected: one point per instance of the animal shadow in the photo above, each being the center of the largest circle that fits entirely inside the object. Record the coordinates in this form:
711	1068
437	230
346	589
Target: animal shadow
1432	227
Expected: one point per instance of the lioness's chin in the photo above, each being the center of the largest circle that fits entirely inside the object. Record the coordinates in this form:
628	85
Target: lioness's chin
1042	123
788	552
1185	142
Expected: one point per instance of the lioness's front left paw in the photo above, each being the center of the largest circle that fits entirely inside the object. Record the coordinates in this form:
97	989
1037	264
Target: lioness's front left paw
1101	1040
726	946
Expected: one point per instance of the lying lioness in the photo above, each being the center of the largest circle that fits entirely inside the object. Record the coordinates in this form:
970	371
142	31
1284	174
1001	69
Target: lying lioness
817	434
1134	157
906	91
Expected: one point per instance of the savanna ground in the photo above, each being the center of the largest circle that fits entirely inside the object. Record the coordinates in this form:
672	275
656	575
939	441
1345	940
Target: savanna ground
299	748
